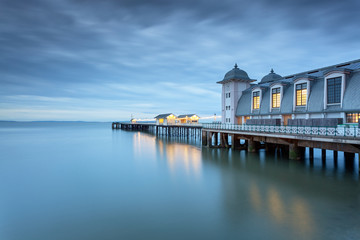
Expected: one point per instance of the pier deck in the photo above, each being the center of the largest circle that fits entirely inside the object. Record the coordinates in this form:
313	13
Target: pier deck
291	139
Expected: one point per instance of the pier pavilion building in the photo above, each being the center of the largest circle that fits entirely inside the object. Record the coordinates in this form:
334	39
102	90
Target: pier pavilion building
188	118
171	119
165	119
321	97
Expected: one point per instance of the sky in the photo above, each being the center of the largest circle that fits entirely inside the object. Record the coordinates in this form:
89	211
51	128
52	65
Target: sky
110	60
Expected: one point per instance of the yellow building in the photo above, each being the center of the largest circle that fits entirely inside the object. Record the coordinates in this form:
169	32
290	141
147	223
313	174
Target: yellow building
165	119
188	118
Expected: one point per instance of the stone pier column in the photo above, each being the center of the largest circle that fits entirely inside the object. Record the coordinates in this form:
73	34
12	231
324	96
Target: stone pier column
270	147
251	146
203	137
235	142
349	160
335	159
294	152
226	139
302	152
349	156
216	136
311	154
323	157
209	139
335	154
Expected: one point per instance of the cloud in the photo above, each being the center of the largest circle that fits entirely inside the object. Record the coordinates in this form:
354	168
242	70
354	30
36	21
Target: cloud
161	55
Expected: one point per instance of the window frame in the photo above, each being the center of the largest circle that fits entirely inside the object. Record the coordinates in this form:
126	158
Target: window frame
331	75
277	85
257	90
335	96
308	86
302	94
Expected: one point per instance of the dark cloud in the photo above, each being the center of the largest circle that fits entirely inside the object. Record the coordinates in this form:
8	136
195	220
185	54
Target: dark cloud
55	48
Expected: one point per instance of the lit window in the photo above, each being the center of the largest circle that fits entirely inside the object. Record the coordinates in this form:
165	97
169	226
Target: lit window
334	90
276	97
352	117
301	94
256	100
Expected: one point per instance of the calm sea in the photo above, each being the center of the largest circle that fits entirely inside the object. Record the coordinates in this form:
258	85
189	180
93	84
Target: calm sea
65	181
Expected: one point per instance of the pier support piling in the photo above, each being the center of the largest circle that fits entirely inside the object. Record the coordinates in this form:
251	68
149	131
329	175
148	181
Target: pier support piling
294	152
311	154
251	146
204	137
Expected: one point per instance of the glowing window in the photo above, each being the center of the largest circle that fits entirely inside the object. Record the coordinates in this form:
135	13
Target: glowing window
301	94
275	97
352	117
256	100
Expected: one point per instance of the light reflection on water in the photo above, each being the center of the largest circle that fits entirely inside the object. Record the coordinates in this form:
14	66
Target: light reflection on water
93	183
297	199
179	157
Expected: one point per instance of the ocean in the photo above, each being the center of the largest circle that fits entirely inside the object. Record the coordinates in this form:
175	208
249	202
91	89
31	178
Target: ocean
76	180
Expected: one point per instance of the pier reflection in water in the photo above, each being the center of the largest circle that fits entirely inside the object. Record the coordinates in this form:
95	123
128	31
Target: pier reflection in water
265	193
180	155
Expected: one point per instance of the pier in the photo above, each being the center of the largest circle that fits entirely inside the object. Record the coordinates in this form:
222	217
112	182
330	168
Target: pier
290	140
171	130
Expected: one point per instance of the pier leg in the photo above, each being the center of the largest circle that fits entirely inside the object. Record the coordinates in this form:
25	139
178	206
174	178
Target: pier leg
323	153
302	152
251	146
226	139
323	156
294	153
216	136
203	137
235	142
209	139
335	158
349	160
311	154
268	147
222	140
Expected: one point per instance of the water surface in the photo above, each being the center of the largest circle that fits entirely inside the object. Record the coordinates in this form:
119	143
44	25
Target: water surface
86	181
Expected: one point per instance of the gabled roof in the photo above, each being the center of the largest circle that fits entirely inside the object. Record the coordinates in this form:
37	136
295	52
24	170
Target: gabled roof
187	115
163	115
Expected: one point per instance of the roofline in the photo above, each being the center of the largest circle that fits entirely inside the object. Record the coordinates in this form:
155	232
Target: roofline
237	80
321	69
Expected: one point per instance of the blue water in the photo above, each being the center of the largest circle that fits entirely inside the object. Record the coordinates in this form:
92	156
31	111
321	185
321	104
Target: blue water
85	181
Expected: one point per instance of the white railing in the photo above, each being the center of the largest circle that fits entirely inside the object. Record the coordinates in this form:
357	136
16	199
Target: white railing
164	124
342	131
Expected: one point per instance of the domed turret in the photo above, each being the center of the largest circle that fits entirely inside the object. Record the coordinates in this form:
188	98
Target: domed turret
236	73
234	83
270	77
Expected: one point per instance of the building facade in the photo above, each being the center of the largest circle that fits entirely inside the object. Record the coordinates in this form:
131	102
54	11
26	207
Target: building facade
321	94
171	119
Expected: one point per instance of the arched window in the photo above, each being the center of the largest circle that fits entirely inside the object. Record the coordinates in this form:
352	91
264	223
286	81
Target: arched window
256	100
301	94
